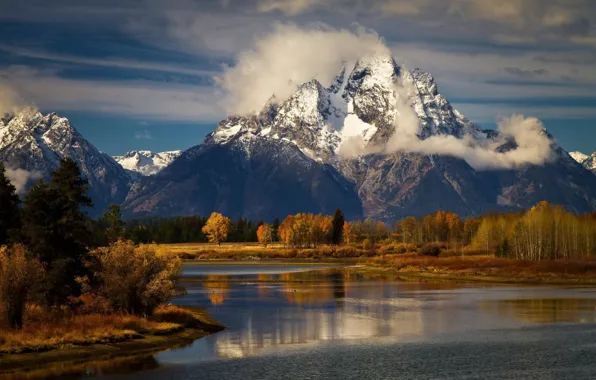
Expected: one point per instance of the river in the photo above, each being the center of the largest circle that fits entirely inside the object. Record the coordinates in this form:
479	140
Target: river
319	322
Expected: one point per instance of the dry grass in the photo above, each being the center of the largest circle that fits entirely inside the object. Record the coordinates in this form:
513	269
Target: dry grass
46	331
484	265
254	251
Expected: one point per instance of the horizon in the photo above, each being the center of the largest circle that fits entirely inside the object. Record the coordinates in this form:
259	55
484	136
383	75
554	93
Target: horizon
141	76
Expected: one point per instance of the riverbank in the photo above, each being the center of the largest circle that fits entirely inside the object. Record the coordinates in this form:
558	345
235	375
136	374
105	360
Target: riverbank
485	269
96	337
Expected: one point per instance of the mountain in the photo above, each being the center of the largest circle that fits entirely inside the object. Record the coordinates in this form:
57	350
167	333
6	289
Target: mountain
588	162
146	162
242	166
246	176
35	143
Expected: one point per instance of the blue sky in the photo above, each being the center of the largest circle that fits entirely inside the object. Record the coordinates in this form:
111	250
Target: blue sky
140	74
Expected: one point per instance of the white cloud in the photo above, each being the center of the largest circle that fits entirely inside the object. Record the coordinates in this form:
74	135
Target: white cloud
143	135
20	178
10	101
533	145
291	56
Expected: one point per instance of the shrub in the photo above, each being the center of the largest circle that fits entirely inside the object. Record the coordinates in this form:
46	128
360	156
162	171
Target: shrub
431	249
367	244
347	252
135	280
19	276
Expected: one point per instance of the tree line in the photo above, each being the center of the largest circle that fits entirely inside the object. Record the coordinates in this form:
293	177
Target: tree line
47	254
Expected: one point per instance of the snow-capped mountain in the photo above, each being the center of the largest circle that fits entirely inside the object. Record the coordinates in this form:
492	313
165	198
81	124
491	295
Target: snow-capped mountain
146	162
588	162
317	122
359	104
35	143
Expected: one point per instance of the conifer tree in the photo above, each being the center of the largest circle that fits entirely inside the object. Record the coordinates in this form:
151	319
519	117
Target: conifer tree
10	213
338	226
57	230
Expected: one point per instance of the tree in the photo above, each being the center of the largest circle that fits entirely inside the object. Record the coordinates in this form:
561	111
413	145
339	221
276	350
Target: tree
217	228
409	228
112	219
264	234
135	280
348	234
57	231
338	227
18	277
10	213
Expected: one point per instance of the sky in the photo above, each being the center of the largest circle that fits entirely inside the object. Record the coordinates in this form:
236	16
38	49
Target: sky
143	74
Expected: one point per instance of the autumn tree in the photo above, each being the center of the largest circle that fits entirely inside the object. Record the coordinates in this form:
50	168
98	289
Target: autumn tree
19	276
265	234
409	228
348	234
10	214
337	227
217	228
133	279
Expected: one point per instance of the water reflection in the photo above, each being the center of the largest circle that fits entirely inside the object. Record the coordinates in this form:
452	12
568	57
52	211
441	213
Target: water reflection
286	309
560	310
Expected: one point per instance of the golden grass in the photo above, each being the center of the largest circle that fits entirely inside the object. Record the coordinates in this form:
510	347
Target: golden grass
59	329
485	265
254	251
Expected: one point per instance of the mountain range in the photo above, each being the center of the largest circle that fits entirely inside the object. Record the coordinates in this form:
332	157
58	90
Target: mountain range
291	157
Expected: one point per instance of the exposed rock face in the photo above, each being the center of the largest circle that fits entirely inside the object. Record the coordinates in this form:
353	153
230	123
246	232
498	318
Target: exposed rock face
36	143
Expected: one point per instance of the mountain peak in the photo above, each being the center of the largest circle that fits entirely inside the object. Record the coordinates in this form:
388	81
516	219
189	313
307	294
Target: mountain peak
146	162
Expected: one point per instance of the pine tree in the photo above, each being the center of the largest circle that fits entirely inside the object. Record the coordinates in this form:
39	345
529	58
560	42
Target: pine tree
57	230
10	213
337	227
112	219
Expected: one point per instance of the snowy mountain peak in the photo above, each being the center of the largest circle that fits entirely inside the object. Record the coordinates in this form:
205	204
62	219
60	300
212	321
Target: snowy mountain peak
361	104
146	162
579	156
36	143
588	162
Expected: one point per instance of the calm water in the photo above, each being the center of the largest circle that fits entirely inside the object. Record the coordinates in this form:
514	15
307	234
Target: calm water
305	322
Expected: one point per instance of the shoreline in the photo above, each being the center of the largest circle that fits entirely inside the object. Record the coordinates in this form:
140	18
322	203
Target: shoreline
364	265
72	355
480	278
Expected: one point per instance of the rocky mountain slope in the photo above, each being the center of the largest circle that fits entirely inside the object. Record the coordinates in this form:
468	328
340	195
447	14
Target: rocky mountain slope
35	143
588	162
313	128
146	162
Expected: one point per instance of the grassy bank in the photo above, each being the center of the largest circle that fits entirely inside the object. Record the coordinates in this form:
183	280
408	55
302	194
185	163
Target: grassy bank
254	251
58	337
488	268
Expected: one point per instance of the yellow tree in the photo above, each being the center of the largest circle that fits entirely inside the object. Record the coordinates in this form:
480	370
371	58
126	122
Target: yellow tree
217	228
264	234
348	235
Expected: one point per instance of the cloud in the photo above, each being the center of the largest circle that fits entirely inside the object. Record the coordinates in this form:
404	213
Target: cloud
143	135
106	62
20	178
532	143
10	101
136	98
289	57
525	73
288	7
